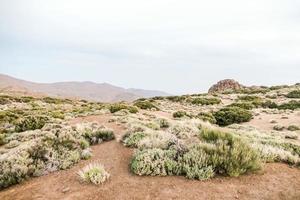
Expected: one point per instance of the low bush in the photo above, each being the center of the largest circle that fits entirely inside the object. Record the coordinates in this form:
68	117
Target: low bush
269	104
163	123
132	139
231	155
205	101
245	105
291	105
94	173
293	128
155	162
179	114
95	134
231	115
293	94
118	106
145	105
176	98
278	128
30	123
207	117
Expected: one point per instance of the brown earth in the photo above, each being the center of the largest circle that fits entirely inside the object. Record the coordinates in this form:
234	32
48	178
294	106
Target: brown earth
275	181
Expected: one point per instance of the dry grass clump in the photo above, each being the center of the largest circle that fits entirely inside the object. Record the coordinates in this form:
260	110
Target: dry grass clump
94	173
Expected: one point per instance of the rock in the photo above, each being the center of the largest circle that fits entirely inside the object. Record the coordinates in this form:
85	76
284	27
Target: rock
225	85
65	190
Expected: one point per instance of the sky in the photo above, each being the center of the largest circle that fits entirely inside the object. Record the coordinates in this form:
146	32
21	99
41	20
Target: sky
171	45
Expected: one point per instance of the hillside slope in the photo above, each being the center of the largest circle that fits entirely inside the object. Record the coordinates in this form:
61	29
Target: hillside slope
84	90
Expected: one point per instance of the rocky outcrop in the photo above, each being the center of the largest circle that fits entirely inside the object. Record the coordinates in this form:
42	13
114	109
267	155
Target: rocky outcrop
225	85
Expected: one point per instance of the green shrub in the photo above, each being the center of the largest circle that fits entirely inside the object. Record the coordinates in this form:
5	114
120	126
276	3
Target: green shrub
207	117
155	162
179	114
163	123
245	105
118	106
132	139
205	101
4	100
293	94
94	173
196	164
278	128
176	98
293	128
145	105
249	98
231	115
231	155
269	104
30	123
95	136
291	105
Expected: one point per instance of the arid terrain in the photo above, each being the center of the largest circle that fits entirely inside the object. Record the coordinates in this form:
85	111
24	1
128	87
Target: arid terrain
234	142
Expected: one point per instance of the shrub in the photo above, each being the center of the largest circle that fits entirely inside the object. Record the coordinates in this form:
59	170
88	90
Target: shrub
145	105
231	115
4	100
196	164
293	94
293	128
179	114
132	139
176	98
278	128
155	162
244	105
94	173
98	135
30	123
231	155
206	101
269	104
207	117
291	105
249	98
118	106
163	123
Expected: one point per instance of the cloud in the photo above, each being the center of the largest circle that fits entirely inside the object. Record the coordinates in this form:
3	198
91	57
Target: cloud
151	44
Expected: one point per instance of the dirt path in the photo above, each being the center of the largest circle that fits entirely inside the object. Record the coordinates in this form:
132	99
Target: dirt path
276	181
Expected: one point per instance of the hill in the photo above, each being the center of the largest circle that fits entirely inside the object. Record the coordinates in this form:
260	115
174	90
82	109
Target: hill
103	92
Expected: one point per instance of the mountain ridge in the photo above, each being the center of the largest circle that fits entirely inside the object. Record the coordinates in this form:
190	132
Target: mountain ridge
88	90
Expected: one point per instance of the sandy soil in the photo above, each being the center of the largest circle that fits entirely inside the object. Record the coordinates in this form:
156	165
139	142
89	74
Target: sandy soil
263	120
275	181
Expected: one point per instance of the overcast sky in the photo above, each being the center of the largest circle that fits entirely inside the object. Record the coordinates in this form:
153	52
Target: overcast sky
178	46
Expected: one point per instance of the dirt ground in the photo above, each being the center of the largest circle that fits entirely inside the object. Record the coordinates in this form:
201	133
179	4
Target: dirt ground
275	181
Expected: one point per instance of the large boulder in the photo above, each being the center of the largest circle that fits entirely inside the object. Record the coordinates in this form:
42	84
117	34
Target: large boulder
225	85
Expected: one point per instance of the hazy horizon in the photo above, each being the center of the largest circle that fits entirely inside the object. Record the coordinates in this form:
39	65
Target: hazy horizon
178	47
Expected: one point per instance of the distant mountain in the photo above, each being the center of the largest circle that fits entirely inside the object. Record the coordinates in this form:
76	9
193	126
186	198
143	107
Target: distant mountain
83	90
